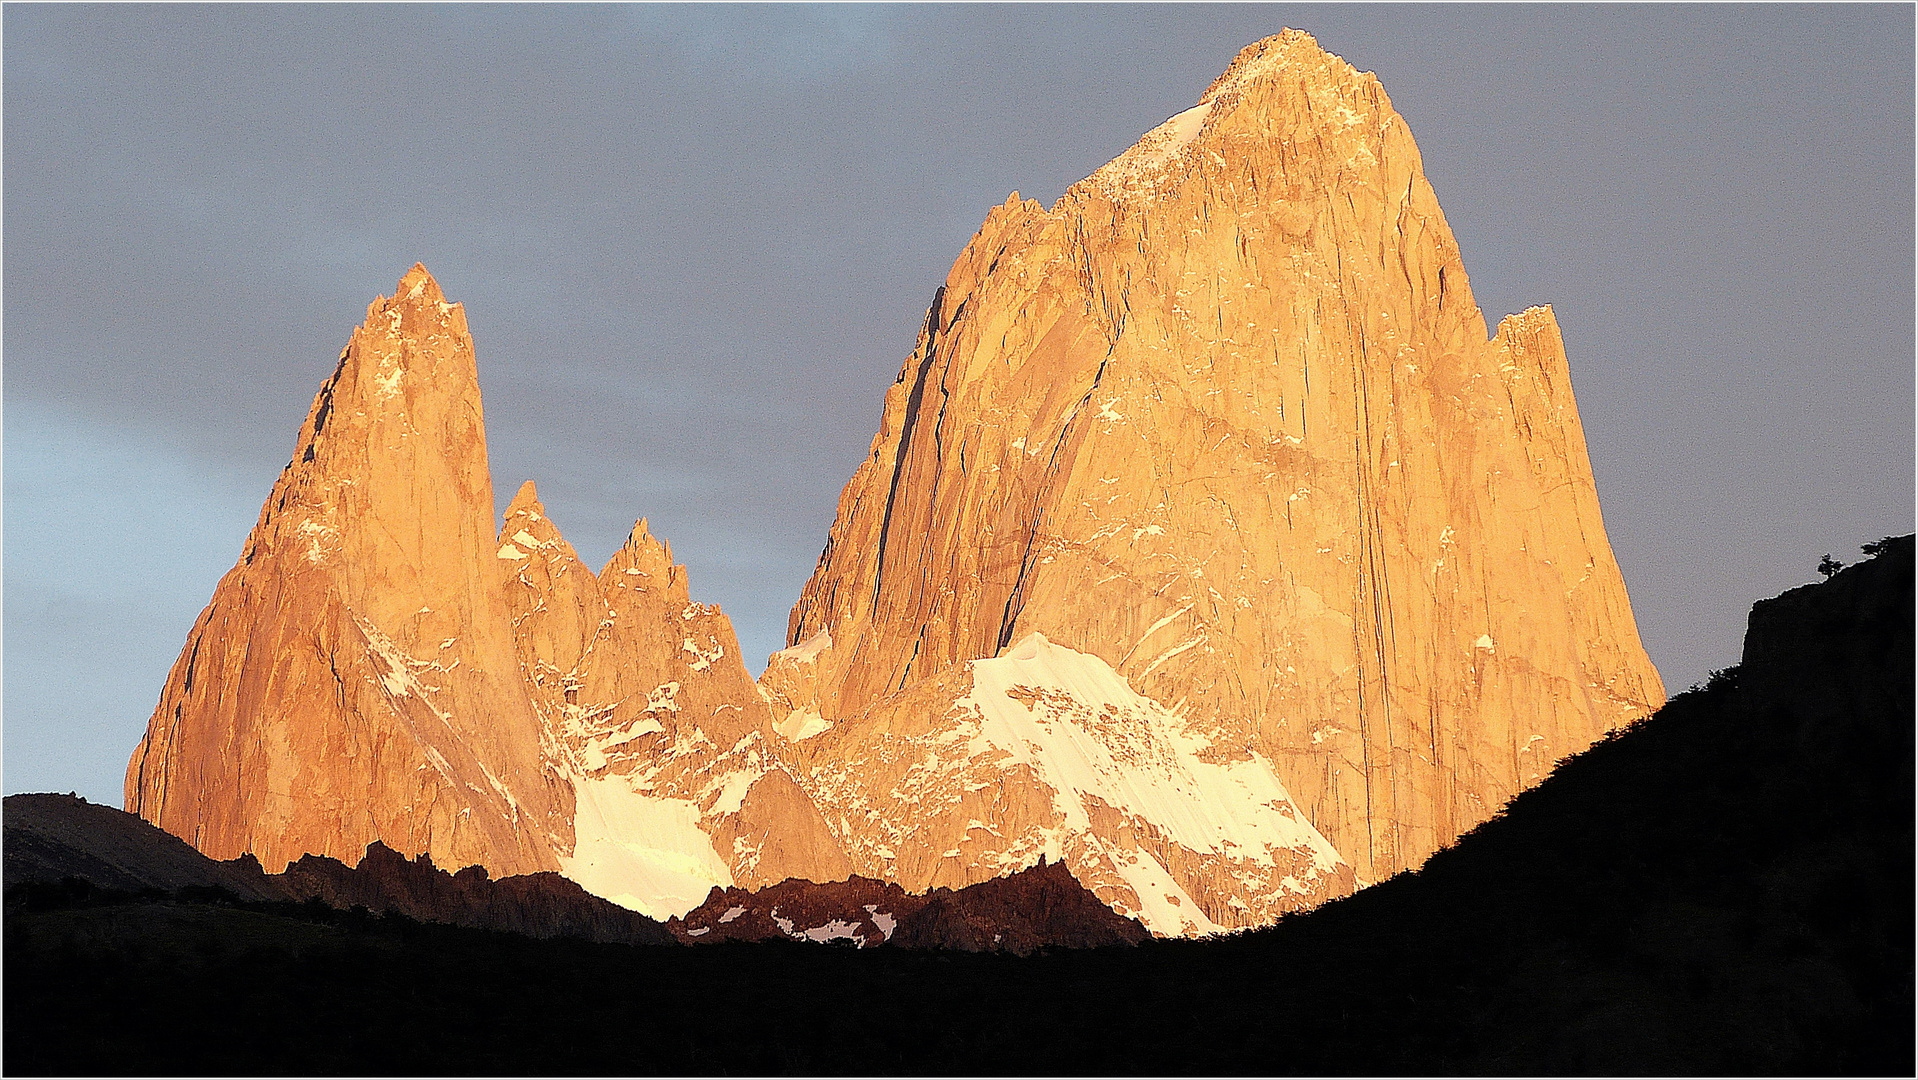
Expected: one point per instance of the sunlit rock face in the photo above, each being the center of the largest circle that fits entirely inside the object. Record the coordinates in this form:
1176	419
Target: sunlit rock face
1045	752
355	677
1225	422
382	666
650	713
1209	548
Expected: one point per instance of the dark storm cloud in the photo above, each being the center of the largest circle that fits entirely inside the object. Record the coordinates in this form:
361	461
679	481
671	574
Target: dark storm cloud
695	244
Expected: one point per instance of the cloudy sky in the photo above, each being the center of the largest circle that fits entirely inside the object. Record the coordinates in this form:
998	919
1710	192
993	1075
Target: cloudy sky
695	243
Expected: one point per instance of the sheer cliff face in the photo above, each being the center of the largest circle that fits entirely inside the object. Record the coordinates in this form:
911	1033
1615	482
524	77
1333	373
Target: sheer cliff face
1227	419
354	677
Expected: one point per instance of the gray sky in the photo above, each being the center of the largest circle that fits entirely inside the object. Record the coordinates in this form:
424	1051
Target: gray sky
695	243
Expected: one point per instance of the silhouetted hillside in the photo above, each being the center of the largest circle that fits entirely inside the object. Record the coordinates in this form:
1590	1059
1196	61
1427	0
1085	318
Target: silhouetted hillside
61	850
1726	887
52	837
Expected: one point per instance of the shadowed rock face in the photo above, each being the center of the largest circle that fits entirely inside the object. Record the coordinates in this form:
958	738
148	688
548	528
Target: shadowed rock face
541	905
1823	651
1042	906
1227	418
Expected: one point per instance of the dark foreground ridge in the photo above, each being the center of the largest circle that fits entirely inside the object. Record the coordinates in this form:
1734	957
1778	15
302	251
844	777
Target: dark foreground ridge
62	850
1726	887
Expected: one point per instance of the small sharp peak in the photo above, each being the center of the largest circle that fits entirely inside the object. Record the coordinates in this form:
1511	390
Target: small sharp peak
641	551
525	502
526	519
647	561
641	536
413	330
418	308
418	284
527	529
1285	75
1293	52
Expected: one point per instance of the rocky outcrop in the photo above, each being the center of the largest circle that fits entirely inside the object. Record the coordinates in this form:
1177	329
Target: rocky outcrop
1039	907
860	911
1226	421
649	710
1838	650
1042	906
355	677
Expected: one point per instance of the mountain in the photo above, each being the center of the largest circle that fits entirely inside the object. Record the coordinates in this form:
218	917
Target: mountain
1209	547
354	677
1724	888
1222	428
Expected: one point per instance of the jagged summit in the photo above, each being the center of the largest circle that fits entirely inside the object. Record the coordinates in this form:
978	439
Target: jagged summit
1228	420
644	554
1208	546
418	284
1289	51
1284	88
353	678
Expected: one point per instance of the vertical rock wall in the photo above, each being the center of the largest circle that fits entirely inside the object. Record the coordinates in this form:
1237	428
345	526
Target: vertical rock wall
1227	417
354	677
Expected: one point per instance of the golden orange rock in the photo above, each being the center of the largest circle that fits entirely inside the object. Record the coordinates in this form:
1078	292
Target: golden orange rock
649	711
354	677
1209	545
1226	420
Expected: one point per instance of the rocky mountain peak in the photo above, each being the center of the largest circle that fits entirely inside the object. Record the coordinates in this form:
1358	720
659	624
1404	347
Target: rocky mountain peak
1288	54
526	527
353	678
525	500
1227	421
1282	90
417	284
646	562
1208	546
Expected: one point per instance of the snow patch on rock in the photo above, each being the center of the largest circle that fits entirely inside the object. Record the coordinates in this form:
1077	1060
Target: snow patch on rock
808	650
641	851
801	724
1087	735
